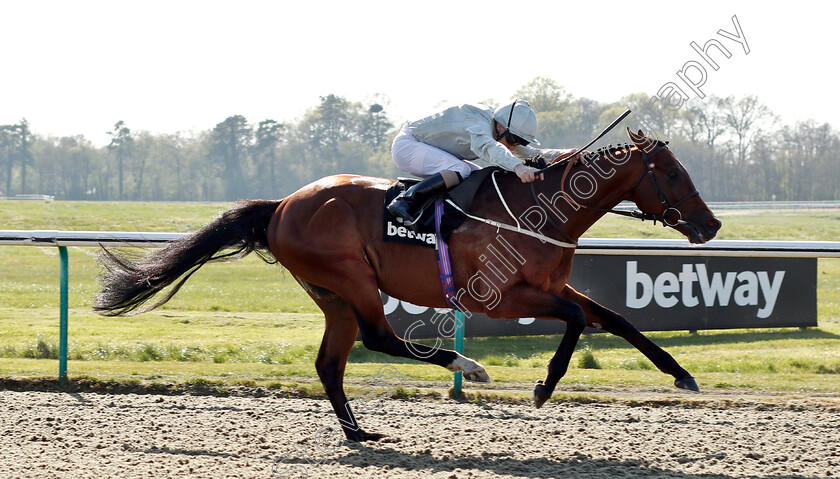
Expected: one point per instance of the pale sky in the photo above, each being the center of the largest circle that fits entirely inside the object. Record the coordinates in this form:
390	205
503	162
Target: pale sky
78	67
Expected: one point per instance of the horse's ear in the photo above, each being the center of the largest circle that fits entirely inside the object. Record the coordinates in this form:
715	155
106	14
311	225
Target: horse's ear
637	138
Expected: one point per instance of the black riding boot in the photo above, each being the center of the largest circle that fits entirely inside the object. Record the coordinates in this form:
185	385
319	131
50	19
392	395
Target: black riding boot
408	206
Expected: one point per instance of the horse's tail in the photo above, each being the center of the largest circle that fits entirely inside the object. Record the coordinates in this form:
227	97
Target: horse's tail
129	280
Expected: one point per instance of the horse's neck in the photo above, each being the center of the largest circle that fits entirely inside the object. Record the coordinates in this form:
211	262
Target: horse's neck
612	183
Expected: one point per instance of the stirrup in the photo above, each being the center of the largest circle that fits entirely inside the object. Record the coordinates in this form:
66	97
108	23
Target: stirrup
407	222
410	223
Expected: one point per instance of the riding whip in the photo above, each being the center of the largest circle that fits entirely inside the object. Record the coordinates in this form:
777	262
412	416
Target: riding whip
600	135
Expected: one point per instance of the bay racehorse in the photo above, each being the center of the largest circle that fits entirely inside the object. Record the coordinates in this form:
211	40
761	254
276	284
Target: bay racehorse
329	236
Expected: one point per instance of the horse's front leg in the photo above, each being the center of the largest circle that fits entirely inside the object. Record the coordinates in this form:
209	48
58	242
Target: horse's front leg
600	317
530	301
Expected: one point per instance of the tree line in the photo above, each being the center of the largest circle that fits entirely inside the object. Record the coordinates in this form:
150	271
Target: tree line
736	149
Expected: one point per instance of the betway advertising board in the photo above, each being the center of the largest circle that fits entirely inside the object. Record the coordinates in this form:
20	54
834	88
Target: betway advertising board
657	293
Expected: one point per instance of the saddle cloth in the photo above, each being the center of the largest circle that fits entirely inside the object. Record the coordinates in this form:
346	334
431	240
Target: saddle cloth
462	195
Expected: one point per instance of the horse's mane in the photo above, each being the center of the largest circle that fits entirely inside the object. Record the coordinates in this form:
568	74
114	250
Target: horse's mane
611	150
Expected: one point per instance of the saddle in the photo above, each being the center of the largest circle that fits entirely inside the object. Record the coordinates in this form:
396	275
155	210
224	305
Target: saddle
462	195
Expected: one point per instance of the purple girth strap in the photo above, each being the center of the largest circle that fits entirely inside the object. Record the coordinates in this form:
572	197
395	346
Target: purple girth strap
447	283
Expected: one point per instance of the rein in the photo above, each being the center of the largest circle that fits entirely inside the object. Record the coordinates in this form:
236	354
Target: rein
664	217
515	229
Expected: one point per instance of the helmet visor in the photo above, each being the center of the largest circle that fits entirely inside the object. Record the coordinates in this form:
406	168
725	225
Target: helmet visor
517	140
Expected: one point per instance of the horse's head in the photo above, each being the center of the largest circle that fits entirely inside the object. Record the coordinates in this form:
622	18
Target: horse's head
664	188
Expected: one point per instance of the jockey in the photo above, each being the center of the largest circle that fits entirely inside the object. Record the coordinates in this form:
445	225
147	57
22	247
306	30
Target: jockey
438	148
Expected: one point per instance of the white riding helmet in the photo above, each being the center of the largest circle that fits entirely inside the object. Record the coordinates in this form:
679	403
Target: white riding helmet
519	119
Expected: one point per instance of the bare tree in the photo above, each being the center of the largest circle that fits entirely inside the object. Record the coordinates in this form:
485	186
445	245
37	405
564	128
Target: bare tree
745	119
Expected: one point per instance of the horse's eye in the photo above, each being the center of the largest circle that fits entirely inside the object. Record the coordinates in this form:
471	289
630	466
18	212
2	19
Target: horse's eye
673	175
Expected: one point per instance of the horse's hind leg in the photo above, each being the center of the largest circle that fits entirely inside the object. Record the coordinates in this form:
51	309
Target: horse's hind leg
343	267
603	318
339	336
378	335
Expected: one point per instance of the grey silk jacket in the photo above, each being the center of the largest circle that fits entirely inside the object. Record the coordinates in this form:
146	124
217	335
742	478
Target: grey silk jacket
466	132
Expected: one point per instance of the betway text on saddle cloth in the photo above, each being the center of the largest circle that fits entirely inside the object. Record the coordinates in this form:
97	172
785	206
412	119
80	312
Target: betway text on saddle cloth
403	232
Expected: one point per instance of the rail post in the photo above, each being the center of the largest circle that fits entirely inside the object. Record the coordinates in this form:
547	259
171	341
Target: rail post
459	347
62	330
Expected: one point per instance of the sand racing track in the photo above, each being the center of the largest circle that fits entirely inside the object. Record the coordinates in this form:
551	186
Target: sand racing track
79	435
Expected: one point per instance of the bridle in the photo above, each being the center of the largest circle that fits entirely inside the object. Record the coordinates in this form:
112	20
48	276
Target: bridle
660	193
669	208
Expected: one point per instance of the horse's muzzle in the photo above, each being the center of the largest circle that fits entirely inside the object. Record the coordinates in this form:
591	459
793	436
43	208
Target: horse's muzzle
699	232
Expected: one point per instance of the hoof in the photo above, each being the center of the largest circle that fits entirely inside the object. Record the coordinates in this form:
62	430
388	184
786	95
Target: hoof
362	436
472	370
477	375
688	383
541	394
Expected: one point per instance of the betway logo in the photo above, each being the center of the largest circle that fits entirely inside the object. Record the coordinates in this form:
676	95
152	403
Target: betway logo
403	232
669	289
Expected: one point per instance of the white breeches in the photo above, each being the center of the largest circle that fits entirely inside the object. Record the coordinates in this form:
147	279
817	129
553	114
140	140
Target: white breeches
419	159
